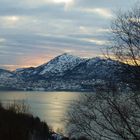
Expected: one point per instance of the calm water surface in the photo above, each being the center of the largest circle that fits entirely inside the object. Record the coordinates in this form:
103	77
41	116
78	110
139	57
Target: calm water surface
49	106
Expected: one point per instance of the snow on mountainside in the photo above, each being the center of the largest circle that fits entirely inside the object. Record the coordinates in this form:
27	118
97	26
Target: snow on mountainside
65	72
5	74
104	69
60	64
68	66
96	68
72	67
7	80
24	72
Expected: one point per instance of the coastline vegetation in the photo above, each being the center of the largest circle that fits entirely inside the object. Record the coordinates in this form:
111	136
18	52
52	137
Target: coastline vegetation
16	123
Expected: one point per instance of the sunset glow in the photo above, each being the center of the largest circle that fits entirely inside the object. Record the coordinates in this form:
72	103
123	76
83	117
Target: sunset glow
69	69
34	32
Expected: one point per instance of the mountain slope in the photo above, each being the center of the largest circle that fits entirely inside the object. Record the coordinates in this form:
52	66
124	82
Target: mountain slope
66	72
59	65
5	73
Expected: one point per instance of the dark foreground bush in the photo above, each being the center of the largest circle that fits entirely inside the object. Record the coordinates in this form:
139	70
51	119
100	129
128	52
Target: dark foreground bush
21	126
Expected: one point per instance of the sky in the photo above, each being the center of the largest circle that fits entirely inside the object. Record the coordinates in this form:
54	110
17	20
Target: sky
32	32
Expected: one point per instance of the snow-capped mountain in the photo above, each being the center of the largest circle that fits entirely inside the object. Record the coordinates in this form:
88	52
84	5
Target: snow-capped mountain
5	74
65	72
60	65
24	72
8	80
96	69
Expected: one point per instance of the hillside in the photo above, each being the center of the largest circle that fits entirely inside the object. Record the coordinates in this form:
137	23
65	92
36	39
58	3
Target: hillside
68	72
21	126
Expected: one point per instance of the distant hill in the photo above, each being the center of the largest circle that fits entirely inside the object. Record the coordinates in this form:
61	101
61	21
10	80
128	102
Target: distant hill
68	72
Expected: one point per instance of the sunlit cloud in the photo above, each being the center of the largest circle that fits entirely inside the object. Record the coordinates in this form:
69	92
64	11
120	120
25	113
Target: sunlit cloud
91	30
103	30
39	3
12	18
84	29
10	21
97	41
2	40
34	31
100	11
67	3
62	1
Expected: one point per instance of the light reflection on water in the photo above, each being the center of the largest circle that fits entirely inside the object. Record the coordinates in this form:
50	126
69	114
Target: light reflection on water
49	106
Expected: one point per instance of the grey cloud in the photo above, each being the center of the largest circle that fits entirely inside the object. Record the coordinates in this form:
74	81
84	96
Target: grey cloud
42	28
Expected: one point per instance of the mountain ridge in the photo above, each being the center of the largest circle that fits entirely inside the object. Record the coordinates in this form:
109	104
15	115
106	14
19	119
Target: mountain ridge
65	72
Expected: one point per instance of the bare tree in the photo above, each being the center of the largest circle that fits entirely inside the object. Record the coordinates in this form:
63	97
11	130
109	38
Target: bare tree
18	107
106	117
126	36
125	46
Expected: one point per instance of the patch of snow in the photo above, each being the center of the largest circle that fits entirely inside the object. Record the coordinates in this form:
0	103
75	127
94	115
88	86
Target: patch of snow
61	64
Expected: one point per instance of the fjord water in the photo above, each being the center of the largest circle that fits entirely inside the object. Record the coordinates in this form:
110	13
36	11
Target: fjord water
48	106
